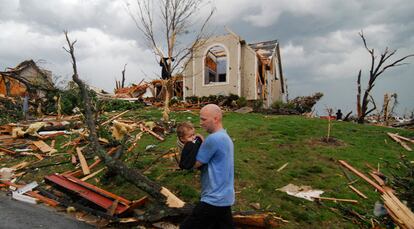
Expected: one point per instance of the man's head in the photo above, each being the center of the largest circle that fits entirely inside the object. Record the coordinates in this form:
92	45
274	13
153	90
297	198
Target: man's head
211	117
185	132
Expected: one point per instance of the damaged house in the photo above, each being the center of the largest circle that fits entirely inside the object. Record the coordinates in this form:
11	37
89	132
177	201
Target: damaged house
226	65
25	77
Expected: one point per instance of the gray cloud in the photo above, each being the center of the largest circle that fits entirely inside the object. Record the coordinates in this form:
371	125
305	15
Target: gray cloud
321	49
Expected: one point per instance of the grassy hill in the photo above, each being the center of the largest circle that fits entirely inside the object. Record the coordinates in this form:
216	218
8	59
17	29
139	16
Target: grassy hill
263	144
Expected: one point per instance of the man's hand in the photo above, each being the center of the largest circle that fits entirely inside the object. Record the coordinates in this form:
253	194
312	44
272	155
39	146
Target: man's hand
200	136
197	165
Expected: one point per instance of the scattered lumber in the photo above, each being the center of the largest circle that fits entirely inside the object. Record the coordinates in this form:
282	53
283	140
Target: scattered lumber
144	128
114	117
43	147
335	199
400	213
92	175
257	220
377	179
282	167
82	160
352	169
403	144
357	192
10	152
172	200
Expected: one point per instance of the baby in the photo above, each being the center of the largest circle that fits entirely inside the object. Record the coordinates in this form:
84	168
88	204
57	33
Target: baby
188	142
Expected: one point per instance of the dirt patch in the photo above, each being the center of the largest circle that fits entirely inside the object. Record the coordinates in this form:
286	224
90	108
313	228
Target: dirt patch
324	141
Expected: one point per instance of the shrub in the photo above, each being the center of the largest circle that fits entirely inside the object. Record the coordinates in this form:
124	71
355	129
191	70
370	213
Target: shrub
241	102
258	104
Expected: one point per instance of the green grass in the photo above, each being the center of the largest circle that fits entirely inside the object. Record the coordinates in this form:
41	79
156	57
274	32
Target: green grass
262	145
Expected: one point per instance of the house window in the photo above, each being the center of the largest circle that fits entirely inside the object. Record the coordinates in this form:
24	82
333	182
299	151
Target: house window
215	65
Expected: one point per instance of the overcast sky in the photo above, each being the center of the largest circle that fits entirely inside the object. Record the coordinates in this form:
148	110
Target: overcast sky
320	46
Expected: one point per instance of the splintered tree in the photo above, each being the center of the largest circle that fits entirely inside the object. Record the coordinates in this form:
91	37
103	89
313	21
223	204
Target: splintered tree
377	68
163	23
165	203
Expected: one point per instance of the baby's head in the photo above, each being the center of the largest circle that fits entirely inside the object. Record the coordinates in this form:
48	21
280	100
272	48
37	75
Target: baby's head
185	132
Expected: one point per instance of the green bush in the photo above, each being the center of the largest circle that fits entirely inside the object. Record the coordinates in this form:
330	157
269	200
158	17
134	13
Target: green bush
258	104
241	102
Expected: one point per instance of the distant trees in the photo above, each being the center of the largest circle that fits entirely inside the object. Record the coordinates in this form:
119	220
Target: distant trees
378	66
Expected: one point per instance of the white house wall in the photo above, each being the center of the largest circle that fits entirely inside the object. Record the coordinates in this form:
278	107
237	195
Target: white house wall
248	73
231	45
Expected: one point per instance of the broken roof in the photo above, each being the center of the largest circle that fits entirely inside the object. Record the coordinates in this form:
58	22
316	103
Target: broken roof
43	79
265	48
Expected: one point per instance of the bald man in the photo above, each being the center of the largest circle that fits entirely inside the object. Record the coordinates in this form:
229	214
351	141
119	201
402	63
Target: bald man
215	158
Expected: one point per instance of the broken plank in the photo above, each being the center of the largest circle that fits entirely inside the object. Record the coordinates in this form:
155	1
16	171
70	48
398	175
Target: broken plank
144	128
42	146
11	152
335	199
403	144
352	169
92	175
20	165
404	138
357	192
377	179
282	167
82	160
114	117
172	200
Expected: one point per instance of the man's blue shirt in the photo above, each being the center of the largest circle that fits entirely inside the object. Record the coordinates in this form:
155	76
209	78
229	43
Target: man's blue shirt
217	173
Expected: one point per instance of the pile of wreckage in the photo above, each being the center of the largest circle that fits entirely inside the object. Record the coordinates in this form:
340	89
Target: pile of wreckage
36	146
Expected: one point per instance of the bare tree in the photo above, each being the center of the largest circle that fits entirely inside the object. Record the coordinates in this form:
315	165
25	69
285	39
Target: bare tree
163	28
134	176
376	69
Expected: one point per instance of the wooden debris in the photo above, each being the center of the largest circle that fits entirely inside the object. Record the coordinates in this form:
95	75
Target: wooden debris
377	179
403	144
400	213
282	167
92	174
20	165
38	156
111	210
10	152
114	117
172	200
352	169
144	128
335	199
82	160
42	146
357	192
259	220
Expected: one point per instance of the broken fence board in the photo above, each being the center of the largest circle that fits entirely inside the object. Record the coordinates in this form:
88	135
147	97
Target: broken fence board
82	160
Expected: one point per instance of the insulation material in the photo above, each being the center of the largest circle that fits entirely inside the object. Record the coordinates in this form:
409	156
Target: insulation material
304	192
